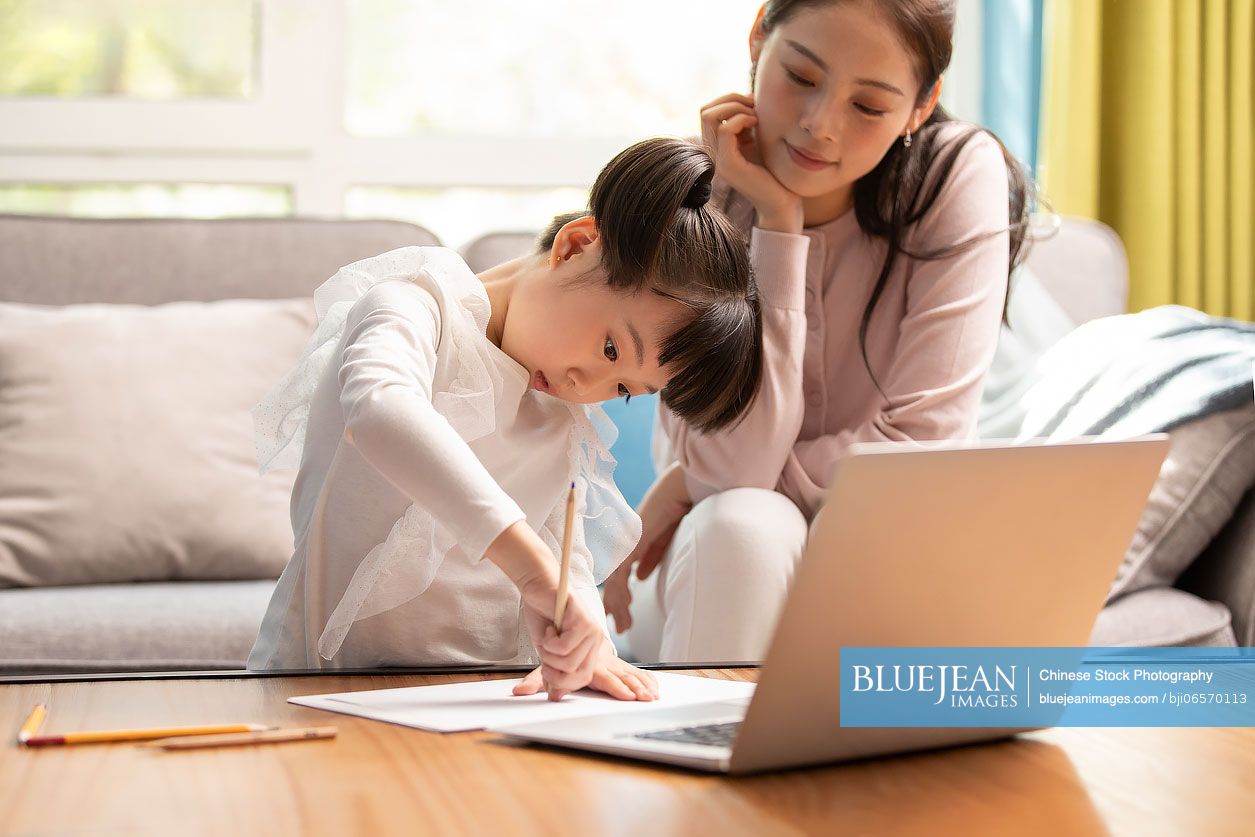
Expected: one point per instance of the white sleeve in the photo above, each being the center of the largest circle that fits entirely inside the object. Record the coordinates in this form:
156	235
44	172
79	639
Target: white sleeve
386	374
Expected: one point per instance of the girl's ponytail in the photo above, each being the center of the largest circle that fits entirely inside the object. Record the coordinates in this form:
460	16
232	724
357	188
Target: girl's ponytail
658	233
636	199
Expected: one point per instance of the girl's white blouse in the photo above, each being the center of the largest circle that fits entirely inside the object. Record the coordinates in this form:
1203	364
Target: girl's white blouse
418	443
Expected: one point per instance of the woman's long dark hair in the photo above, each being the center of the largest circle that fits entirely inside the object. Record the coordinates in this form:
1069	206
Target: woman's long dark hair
904	185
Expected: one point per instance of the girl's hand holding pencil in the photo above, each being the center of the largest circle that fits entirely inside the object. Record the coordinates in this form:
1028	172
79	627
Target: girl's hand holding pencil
610	674
574	649
569	658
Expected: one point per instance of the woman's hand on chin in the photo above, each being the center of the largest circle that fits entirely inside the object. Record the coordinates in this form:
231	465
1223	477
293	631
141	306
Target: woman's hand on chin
728	133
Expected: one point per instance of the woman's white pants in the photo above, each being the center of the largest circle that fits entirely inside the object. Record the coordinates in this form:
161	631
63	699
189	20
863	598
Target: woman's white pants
717	594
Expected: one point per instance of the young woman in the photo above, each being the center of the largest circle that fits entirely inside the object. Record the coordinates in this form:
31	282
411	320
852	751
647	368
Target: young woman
438	419
882	234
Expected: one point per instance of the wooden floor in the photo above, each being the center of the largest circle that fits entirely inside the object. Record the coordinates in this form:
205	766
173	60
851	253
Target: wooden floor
376	779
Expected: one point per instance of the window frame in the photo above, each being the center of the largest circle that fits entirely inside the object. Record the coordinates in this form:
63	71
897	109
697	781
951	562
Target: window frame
292	133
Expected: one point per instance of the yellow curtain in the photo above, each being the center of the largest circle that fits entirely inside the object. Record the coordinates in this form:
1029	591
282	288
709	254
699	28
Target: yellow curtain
1147	126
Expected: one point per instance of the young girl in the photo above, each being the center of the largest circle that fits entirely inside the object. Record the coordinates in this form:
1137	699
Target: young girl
439	420
882	234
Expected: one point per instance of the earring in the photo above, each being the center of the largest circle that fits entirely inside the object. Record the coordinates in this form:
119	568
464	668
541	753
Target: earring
906	142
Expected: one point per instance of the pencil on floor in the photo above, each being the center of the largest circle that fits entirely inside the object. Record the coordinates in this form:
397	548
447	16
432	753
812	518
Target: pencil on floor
33	722
564	574
236	739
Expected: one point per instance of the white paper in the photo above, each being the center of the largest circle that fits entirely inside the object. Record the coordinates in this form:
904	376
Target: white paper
456	707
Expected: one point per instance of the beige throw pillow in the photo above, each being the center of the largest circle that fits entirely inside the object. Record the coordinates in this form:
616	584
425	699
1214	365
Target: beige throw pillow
1210	465
126	443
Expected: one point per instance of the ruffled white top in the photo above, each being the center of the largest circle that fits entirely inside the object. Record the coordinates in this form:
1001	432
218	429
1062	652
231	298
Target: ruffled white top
418	443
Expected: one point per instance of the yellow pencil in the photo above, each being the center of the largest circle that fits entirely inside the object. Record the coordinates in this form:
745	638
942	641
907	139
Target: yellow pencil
564	575
137	734
235	739
33	722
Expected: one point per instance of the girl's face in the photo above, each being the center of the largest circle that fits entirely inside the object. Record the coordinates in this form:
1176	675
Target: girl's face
834	88
578	339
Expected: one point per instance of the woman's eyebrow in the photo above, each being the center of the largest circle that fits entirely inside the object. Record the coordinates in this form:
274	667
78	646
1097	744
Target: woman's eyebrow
868	82
808	54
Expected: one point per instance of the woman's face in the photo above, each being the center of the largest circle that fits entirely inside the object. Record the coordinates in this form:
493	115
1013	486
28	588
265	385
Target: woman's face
834	88
581	341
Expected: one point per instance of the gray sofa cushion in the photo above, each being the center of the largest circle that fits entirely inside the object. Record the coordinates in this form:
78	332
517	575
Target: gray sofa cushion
1163	616
59	261
126	441
494	248
102	627
1209	467
1225	571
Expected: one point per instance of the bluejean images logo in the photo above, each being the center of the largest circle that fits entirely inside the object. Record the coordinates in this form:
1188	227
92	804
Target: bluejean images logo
1037	687
964	686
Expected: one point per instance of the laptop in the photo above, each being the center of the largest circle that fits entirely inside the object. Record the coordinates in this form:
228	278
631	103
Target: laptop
985	544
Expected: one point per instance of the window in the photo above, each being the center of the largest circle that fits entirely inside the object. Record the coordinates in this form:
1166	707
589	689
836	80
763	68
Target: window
464	116
151	200
148	49
458	215
562	68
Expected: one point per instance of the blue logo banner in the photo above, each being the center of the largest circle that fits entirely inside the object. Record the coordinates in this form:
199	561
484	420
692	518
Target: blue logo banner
1041	687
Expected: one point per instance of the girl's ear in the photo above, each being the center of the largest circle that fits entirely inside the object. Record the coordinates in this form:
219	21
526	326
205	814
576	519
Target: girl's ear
575	237
757	36
921	114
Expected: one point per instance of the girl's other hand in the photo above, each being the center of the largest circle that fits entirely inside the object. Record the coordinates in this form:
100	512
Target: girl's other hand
611	675
623	680
728	132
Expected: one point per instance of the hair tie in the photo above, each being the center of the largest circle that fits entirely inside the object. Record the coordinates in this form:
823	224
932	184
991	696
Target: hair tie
700	193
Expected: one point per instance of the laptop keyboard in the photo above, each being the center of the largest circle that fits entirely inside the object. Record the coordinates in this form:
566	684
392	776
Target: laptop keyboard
708	735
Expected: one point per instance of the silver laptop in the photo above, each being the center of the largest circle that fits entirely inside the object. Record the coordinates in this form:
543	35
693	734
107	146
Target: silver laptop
973	545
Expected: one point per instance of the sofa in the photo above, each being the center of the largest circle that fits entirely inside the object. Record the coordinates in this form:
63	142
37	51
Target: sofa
212	534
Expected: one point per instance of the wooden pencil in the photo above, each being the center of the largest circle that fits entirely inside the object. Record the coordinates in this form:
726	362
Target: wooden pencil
236	739
33	722
107	736
564	574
